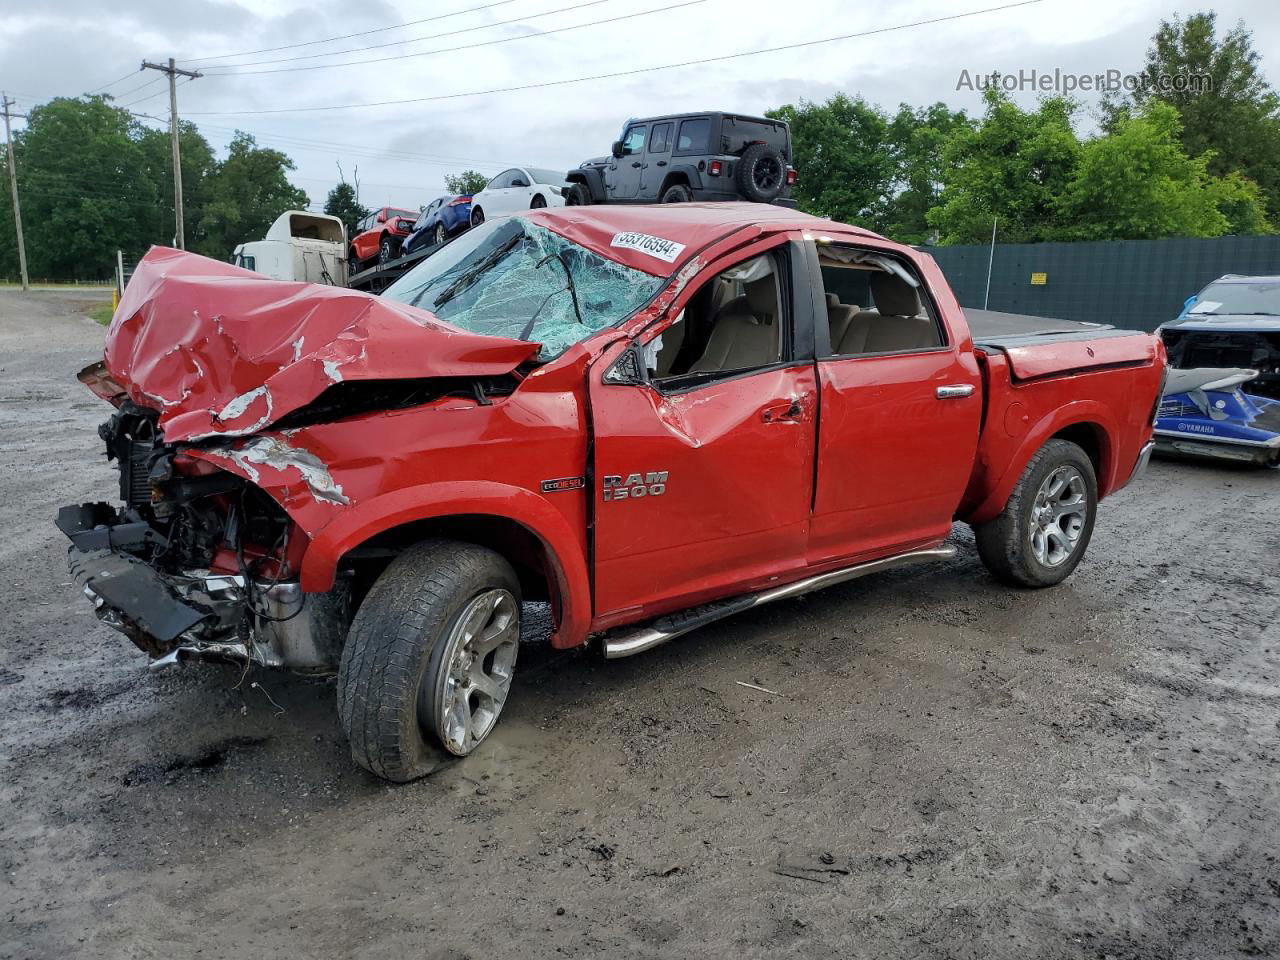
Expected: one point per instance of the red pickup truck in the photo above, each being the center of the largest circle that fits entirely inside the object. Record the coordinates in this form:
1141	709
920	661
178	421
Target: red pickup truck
651	417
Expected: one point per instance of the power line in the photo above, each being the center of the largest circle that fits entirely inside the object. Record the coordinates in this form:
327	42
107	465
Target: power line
132	90
396	43
349	36
620	73
112	83
472	46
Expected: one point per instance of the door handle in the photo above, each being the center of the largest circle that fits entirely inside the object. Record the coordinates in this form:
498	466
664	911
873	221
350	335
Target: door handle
662	163
788	411
955	390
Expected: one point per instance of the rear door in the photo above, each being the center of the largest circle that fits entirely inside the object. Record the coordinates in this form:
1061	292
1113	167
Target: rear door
901	403
657	160
704	476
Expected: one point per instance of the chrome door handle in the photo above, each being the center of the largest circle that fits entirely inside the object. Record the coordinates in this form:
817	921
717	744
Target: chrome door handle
955	390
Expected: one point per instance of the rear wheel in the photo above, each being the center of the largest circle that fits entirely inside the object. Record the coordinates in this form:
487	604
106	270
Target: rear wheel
577	195
677	193
477	217
1045	528
429	659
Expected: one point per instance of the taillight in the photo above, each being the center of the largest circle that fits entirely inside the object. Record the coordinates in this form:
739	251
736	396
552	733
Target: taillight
457	200
714	168
791	176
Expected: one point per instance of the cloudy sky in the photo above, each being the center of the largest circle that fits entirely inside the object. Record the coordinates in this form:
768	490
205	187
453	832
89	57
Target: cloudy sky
264	69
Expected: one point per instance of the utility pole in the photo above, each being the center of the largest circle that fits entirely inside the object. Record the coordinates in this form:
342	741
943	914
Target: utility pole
990	262
173	72
13	187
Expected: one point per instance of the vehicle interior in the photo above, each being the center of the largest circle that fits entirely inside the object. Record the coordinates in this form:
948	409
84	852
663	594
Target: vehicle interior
734	322
874	305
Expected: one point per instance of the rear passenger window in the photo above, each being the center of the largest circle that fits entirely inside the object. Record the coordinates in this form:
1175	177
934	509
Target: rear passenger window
660	139
694	135
875	304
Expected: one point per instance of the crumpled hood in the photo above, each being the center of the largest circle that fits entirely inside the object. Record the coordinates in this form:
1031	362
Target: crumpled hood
222	351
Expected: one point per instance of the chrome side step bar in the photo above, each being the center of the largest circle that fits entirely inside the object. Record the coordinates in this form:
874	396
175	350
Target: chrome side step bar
659	631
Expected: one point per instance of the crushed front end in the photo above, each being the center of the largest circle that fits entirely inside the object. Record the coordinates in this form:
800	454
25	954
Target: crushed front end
197	562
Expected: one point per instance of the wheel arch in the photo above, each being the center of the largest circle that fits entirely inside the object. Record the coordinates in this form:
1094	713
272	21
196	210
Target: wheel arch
593	180
520	526
1087	423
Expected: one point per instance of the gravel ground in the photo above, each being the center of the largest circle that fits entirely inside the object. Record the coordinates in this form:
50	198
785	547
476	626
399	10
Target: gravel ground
949	768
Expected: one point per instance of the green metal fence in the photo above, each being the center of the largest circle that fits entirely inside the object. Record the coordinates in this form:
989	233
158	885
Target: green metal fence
1138	284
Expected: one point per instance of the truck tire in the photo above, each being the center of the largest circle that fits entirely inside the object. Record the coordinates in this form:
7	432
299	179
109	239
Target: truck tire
577	195
428	661
761	173
677	193
1044	529
353	261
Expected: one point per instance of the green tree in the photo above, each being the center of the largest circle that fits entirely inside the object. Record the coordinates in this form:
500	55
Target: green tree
843	156
1236	114
343	203
245	194
198	165
86	189
1138	183
468	181
1013	164
916	139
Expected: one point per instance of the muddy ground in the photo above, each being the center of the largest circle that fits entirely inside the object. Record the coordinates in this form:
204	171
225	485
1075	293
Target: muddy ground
949	768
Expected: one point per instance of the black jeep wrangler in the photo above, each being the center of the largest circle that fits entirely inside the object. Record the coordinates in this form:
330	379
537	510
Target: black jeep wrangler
690	156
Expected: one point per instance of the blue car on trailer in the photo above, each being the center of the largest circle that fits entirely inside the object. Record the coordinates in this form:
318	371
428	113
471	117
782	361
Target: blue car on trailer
1205	413
442	219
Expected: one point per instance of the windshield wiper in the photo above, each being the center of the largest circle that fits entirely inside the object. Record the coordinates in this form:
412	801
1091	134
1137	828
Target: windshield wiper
466	279
570	287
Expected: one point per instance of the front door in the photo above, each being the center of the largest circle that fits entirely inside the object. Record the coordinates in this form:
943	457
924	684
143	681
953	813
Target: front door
704	471
901	406
625	171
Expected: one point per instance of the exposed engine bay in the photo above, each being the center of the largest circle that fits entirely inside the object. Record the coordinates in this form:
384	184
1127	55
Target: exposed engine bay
197	562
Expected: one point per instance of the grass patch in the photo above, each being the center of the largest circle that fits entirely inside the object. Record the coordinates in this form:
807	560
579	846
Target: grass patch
102	313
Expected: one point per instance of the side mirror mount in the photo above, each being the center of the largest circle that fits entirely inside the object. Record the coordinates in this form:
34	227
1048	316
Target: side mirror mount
617	150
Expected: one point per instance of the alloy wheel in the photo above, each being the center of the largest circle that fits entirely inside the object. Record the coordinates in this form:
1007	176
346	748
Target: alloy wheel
1058	516
475	672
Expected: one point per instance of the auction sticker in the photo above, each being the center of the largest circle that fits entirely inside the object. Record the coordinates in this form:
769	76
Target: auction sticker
666	250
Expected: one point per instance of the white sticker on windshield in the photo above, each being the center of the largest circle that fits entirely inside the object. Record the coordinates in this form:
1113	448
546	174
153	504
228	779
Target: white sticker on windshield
1204	306
666	250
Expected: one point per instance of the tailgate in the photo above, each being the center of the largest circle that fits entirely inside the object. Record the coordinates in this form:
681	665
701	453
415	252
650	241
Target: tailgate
1046	355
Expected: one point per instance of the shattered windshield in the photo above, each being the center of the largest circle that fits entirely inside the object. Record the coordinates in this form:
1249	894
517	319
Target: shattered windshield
1261	298
510	278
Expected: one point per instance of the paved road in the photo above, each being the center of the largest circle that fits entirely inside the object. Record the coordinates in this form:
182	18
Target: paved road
949	768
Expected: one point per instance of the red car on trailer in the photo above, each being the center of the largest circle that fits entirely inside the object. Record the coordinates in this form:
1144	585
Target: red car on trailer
652	417
379	236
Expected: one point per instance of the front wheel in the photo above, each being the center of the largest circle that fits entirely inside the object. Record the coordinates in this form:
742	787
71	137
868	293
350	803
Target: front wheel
538	203
477	217
441	235
1044	529
429	659
577	195
388	249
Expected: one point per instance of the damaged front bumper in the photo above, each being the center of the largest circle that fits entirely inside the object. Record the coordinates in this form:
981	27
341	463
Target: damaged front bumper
200	614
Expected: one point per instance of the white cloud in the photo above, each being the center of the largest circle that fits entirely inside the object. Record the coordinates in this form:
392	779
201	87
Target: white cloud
404	151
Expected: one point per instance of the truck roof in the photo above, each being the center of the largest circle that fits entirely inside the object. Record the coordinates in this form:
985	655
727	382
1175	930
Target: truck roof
673	232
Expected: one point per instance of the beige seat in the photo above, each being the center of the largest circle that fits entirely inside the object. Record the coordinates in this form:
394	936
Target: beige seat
839	316
745	331
894	325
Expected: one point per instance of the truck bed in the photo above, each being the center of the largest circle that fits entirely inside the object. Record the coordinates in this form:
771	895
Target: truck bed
1043	346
